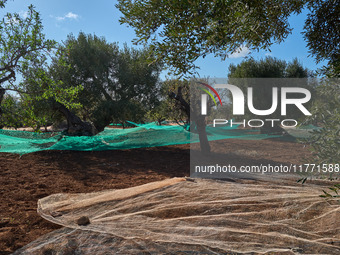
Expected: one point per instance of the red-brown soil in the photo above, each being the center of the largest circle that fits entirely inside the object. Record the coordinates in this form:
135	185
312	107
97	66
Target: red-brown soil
30	177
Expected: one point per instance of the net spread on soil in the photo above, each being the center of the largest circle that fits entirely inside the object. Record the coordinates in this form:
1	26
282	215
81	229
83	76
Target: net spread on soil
148	135
196	216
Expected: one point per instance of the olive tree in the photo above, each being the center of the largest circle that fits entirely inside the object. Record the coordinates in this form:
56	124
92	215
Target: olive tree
118	84
24	51
322	32
182	31
269	67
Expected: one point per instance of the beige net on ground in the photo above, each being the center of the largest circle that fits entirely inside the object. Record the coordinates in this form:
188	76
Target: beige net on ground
179	216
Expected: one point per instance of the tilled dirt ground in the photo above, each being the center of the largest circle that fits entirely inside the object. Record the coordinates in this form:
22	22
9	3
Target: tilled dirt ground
25	179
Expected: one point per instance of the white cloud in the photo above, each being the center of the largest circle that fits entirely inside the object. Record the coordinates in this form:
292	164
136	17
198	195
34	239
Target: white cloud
23	14
69	15
268	54
60	18
240	52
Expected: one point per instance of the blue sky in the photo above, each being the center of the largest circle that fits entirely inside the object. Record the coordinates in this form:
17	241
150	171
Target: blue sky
63	17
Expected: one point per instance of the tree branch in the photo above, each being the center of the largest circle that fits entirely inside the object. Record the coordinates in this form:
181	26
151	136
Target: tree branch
11	75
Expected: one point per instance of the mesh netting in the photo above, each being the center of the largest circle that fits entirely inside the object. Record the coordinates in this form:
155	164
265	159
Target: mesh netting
148	135
194	216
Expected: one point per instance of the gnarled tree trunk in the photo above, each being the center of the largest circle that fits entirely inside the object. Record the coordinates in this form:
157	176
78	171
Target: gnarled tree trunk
75	125
196	117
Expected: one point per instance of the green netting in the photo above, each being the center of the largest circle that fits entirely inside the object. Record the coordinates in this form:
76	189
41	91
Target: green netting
147	135
126	124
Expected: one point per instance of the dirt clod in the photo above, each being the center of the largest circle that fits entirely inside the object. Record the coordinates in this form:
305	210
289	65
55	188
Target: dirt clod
83	221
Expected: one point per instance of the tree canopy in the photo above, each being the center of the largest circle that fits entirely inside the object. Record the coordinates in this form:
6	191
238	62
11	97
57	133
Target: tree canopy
118	84
269	67
182	31
322	33
24	50
22	43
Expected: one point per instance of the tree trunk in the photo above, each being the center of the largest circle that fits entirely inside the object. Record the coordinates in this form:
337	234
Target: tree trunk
202	134
198	119
2	93
75	125
2	90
